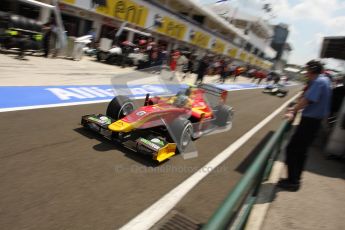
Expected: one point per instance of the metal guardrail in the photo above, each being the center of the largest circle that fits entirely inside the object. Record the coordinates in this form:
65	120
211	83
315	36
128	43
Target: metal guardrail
235	209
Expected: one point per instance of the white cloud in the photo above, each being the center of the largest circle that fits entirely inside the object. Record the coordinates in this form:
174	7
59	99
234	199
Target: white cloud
308	50
281	8
336	25
293	30
316	40
293	35
318	10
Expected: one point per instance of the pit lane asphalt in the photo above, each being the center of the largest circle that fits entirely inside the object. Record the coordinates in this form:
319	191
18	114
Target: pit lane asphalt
56	175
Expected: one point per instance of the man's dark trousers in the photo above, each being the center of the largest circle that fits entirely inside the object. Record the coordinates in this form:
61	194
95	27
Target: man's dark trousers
296	151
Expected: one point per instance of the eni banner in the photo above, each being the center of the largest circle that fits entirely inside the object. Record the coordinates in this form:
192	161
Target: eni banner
125	10
172	28
257	62
243	56
199	39
69	1
232	52
218	46
253	61
250	59
268	65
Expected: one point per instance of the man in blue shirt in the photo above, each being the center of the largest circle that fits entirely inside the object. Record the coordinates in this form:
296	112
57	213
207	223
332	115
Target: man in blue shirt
315	105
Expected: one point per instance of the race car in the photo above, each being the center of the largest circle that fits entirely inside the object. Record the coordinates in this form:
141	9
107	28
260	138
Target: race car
279	90
163	126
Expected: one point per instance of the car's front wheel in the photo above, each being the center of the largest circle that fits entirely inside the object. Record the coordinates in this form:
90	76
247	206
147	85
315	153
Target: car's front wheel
181	132
120	107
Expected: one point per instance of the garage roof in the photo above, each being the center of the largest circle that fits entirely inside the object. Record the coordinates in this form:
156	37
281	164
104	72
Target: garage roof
333	47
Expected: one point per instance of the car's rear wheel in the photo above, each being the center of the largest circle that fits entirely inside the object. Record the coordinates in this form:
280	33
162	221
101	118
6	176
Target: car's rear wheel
224	116
281	94
120	107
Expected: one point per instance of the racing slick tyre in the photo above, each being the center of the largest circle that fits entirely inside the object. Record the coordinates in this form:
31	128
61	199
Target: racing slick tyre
275	91
181	132
281	94
224	116
120	107
266	90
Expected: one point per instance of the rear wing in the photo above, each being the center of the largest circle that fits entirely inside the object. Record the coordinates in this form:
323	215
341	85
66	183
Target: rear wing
214	95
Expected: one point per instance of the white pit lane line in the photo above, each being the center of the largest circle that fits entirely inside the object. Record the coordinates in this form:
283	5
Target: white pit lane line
160	208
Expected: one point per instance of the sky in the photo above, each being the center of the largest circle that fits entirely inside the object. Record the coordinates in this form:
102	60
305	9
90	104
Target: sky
309	21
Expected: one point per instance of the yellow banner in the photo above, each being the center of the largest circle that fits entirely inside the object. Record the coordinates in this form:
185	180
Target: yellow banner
243	56
218	46
69	1
199	39
126	11
172	28
270	65
250	59
232	52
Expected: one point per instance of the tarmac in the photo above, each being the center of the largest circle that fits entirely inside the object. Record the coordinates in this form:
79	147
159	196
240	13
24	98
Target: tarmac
319	204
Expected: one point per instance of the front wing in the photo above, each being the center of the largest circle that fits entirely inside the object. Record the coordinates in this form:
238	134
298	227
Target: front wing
141	141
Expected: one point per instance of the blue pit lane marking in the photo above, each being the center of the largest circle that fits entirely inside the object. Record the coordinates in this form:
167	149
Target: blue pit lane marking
29	97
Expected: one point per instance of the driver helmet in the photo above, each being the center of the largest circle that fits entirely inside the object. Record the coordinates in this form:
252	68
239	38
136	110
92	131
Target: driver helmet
180	100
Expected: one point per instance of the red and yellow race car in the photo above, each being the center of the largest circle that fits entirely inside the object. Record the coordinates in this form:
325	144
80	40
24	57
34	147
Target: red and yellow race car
164	125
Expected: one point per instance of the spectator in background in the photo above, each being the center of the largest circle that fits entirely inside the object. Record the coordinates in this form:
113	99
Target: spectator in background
223	71
54	41
273	76
284	79
238	71
149	44
92	33
276	78
202	69
50	38
232	69
269	77
188	68
175	55
153	55
315	105
251	73
162	55
182	62
173	60
47	33
260	75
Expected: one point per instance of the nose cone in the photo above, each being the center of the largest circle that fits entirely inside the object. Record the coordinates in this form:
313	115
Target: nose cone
120	126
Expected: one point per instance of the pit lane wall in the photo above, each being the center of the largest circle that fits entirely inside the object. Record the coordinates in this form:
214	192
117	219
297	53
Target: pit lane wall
143	14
